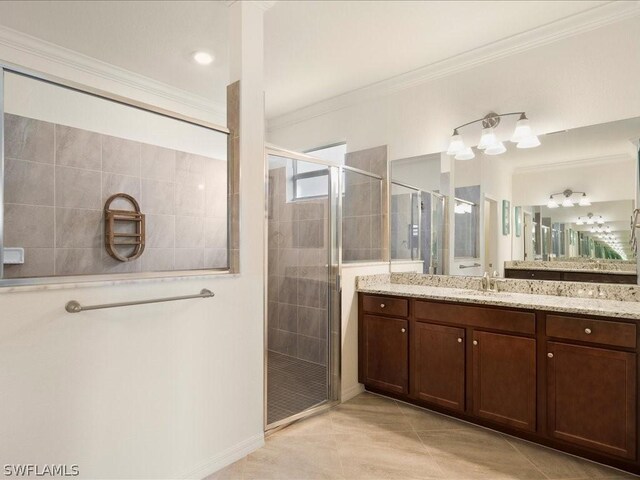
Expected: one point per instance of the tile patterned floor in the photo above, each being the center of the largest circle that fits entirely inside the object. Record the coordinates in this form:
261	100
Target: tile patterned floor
293	385
372	437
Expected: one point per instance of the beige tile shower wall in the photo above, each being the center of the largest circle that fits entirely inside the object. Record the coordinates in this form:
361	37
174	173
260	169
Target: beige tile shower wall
364	207
58	178
298	272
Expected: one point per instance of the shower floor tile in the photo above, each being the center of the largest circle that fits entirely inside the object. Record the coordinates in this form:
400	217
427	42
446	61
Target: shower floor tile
293	385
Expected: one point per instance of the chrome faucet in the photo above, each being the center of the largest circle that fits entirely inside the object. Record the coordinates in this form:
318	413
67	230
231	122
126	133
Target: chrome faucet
486	282
489	283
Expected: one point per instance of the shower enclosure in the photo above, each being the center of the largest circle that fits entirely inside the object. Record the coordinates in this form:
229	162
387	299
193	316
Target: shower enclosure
417	226
306	198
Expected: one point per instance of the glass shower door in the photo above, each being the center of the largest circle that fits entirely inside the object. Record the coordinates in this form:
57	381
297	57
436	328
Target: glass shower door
298	327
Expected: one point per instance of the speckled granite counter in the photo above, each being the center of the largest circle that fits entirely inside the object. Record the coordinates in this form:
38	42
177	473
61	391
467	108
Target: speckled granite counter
620	301
619	267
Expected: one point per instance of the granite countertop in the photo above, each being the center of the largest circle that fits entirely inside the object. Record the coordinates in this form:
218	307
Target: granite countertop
591	303
571	266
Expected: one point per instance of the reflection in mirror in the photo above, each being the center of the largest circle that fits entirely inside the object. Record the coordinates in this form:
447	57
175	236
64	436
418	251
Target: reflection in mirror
576	202
466	223
405	223
418	215
560	210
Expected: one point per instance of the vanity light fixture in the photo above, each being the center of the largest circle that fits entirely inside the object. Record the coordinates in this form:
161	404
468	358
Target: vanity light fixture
568	200
523	136
591	219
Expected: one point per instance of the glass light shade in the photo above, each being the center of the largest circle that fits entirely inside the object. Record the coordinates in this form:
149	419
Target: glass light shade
579	222
584	201
608	229
590	221
552	203
600	220
487	139
567	202
496	149
592	229
456	144
466	154
530	142
523	131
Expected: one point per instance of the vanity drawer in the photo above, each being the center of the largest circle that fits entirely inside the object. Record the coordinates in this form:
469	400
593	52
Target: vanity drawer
617	334
397	307
512	321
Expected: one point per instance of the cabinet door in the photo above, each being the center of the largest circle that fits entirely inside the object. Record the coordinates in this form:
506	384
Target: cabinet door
504	379
385	359
437	365
592	397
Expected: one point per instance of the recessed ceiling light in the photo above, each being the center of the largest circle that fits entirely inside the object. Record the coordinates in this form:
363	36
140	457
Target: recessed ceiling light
203	58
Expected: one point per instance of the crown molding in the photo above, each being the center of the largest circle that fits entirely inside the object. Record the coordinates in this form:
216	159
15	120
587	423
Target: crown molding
582	162
26	44
263	5
586	21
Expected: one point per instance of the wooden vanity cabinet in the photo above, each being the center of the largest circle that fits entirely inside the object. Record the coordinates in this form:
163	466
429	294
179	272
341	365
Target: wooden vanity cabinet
383	343
573	276
385	353
504	379
561	380
438	365
591	397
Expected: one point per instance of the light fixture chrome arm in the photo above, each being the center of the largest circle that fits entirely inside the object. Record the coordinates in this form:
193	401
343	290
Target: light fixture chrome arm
490	118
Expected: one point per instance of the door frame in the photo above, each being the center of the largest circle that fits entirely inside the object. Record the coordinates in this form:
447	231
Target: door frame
334	258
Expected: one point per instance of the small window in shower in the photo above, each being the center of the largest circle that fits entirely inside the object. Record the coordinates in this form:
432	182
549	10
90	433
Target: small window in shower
93	186
309	179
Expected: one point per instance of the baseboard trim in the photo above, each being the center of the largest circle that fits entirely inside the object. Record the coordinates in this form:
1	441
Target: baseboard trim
351	392
226	457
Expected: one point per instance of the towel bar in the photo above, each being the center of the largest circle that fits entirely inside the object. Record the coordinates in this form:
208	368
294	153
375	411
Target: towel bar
74	306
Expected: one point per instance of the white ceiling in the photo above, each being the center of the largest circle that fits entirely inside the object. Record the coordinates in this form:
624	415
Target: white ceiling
314	49
319	49
151	38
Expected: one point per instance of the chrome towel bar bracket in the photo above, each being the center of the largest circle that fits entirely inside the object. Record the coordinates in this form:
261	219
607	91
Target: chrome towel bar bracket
74	306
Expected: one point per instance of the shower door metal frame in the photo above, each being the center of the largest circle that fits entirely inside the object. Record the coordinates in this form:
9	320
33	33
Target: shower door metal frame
334	258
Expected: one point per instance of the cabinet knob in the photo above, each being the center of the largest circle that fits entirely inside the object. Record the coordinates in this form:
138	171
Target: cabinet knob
587	331
382	305
403	330
550	355
459	340
475	342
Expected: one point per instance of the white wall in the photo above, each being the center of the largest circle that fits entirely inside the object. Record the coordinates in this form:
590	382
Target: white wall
422	172
604	181
156	391
43	101
497	178
349	381
583	80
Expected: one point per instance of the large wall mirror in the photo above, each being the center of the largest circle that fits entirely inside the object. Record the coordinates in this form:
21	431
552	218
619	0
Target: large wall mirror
93	186
561	211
